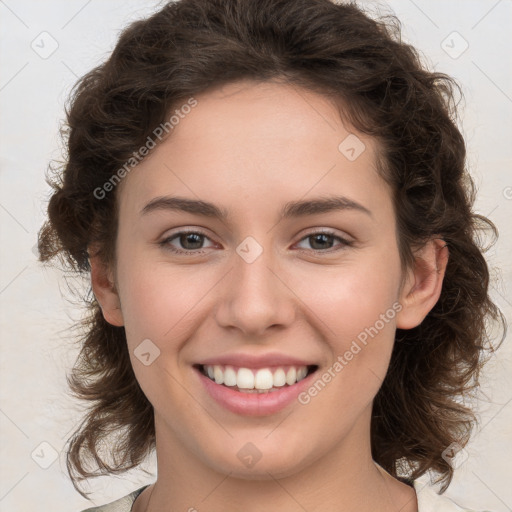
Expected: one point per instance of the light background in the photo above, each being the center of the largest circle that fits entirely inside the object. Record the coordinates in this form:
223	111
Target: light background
35	346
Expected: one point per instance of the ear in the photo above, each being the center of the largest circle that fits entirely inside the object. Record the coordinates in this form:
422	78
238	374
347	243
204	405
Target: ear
103	286
423	284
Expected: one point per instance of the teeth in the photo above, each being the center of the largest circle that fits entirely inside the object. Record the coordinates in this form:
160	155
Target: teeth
218	375
291	376
260	380
230	378
301	373
279	378
264	379
244	378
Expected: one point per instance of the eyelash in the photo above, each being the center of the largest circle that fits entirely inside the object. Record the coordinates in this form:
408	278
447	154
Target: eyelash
344	242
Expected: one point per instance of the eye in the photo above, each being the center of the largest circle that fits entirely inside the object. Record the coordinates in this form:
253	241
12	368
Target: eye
321	241
190	241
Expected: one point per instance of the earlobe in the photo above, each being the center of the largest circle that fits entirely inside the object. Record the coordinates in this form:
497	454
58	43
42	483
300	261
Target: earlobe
104	290
423	284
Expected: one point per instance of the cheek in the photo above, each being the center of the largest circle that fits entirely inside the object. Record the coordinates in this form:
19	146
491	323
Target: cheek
352	297
159	300
357	306
359	312
159	304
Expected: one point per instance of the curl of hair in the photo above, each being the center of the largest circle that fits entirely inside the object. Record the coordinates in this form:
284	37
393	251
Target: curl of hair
381	87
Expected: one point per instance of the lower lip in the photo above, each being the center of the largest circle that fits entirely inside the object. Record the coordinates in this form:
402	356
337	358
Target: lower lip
254	404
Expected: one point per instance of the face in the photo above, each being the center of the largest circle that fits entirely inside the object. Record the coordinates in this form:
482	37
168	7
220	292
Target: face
266	291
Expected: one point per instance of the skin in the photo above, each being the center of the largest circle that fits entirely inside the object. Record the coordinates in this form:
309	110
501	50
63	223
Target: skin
250	148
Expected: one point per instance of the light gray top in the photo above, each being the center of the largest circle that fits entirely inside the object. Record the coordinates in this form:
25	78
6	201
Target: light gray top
428	501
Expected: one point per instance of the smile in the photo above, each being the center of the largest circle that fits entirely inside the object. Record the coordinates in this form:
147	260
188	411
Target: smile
254	391
256	380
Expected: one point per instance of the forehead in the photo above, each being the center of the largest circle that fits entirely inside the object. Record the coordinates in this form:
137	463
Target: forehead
252	114
270	142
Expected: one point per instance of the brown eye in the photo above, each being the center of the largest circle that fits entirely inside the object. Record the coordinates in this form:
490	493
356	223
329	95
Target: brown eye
322	241
191	240
188	241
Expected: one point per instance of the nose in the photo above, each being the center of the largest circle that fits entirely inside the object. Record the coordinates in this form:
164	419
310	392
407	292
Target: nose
255	296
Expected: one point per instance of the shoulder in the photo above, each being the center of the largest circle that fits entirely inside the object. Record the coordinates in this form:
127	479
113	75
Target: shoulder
123	504
430	501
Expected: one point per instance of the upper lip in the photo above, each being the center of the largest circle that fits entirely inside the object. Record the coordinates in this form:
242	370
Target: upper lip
255	361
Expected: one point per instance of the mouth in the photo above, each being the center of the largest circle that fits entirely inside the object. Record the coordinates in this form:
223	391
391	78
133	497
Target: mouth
256	380
254	391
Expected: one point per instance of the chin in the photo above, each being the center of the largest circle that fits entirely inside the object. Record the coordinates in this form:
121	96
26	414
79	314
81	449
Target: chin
272	463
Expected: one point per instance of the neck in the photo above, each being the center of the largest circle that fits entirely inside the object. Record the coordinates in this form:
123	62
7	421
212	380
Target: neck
343	479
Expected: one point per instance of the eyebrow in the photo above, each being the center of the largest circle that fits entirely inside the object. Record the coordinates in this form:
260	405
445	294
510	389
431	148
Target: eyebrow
291	209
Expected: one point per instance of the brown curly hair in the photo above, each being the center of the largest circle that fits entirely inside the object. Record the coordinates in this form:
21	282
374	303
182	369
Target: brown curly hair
383	90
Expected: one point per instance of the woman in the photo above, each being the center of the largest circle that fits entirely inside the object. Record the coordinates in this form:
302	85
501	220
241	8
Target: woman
272	204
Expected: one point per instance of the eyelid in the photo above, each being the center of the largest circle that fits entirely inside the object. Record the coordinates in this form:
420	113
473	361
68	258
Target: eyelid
326	231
